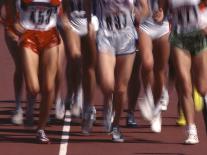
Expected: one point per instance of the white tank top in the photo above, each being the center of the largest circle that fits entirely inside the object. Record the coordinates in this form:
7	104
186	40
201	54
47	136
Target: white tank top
38	15
185	15
114	15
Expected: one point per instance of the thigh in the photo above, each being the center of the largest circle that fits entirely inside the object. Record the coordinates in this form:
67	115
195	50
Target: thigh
73	43
89	49
182	60
161	51
49	66
14	49
123	70
30	62
106	66
146	51
200	71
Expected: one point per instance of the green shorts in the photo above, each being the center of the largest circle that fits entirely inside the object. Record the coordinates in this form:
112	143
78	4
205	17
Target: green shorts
194	42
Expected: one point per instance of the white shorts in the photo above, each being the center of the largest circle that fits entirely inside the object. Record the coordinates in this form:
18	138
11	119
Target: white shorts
120	42
154	30
79	25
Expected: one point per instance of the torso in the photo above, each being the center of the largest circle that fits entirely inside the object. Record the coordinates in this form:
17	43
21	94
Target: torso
185	15
114	14
38	14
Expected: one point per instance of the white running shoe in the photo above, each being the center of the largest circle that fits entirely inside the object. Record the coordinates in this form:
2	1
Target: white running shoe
77	103
192	136
17	118
146	105
156	123
60	109
164	99
116	135
89	118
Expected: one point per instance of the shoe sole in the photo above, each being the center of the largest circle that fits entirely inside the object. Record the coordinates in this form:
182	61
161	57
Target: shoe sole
118	141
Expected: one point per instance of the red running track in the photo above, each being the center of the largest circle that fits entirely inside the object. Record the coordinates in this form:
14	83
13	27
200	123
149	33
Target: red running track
20	140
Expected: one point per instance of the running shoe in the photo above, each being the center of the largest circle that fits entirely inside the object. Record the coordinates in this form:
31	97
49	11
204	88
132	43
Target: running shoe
146	105
192	136
77	103
164	99
17	118
156	122
89	117
198	100
116	135
131	121
41	137
108	116
181	120
59	109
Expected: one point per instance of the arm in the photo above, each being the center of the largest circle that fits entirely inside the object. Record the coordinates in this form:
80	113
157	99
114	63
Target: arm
64	15
163	4
160	14
1	6
88	7
141	11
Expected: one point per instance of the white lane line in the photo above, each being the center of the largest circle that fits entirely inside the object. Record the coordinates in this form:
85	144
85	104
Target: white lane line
65	134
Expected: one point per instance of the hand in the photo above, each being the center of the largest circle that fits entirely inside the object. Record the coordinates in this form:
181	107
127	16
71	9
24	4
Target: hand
19	28
158	16
12	35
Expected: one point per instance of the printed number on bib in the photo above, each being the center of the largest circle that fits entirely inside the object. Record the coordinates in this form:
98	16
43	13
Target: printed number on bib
42	15
187	16
116	22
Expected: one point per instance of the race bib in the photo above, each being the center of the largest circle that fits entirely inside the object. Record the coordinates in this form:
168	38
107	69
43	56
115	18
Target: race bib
42	15
116	22
186	17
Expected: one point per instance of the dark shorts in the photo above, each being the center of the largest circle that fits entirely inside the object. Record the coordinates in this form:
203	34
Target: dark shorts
194	42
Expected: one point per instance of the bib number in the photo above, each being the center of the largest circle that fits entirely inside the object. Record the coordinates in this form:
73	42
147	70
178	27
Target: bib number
42	16
116	22
187	15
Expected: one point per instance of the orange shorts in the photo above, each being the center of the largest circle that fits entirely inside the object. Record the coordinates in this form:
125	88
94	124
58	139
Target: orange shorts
40	40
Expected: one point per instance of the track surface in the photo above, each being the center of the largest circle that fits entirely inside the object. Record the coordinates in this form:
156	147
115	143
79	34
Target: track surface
20	140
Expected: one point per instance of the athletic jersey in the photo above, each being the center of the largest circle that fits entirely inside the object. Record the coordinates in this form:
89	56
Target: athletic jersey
114	15
185	15
38	15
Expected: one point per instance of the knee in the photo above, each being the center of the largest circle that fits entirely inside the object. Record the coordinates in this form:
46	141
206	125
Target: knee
147	65
107	89
121	89
75	56
33	89
49	87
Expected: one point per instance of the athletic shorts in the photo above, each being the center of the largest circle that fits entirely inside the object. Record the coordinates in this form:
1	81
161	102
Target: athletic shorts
79	25
120	42
155	31
40	40
194	42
